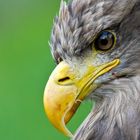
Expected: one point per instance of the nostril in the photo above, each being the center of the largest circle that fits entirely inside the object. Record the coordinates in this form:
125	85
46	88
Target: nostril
64	79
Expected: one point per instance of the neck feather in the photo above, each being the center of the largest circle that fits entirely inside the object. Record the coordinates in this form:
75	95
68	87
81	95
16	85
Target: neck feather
116	115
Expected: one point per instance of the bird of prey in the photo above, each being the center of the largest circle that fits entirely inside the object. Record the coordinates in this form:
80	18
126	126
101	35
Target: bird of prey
96	44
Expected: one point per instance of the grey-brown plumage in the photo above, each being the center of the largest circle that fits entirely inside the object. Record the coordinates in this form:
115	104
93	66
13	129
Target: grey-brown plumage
116	115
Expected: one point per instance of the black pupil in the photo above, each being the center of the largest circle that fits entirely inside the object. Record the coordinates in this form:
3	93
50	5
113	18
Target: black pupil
104	41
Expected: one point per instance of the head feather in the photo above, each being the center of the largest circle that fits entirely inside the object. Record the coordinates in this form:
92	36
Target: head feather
79	21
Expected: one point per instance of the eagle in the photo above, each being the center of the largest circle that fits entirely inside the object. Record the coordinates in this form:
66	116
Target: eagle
96	45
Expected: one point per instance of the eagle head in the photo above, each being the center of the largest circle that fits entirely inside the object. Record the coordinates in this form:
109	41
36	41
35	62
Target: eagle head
96	44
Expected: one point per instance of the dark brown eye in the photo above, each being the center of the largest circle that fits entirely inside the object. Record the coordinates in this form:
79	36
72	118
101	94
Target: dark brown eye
105	41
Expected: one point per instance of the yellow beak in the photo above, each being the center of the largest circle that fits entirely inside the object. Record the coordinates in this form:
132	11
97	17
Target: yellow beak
65	90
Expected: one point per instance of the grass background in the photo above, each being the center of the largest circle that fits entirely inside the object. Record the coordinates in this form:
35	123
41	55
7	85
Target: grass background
25	65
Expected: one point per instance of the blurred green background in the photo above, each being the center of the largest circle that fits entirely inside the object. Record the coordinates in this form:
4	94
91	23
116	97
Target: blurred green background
25	65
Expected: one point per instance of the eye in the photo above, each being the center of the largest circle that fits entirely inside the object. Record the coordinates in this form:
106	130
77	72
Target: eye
105	41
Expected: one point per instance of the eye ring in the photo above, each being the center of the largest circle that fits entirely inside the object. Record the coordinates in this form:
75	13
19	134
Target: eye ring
105	41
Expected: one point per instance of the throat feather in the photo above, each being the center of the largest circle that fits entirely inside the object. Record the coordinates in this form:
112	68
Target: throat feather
116	115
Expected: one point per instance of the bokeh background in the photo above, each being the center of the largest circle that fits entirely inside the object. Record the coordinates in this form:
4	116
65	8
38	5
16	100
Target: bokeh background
25	65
